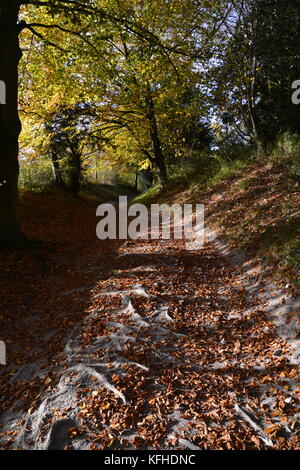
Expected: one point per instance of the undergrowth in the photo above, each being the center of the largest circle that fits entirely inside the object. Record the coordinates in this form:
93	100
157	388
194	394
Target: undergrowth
259	199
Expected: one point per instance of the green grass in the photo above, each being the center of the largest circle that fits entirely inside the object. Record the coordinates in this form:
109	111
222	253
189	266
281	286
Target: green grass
287	152
227	171
206	171
147	197
107	192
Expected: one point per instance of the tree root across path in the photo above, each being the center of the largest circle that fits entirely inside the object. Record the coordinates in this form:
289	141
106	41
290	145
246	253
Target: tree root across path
172	353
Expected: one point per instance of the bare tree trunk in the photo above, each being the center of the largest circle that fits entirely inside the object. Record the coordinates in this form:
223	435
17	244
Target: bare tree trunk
10	126
58	179
136	180
75	172
159	158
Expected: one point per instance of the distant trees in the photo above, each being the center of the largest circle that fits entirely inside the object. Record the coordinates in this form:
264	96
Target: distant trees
70	136
145	108
138	69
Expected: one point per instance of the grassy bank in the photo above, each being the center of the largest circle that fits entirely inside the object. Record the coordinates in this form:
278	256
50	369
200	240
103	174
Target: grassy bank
253	201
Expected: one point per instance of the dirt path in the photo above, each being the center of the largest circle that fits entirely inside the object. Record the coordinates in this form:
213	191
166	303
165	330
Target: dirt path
164	349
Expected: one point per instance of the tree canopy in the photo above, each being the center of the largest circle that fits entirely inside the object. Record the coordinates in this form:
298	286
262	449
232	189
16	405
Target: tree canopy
159	80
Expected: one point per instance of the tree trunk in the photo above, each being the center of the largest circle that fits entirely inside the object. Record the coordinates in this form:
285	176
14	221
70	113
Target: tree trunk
75	173
136	180
159	159
58	179
10	126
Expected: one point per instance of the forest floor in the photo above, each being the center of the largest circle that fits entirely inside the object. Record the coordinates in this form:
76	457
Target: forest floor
141	345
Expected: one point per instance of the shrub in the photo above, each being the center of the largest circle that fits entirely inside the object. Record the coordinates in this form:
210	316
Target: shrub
287	152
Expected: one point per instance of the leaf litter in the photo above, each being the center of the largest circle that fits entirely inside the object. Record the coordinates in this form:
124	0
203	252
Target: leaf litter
161	351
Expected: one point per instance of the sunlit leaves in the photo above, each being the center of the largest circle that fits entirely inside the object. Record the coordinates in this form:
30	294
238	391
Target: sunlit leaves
114	57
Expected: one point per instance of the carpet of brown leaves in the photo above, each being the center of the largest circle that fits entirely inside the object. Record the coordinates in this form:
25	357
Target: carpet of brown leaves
224	350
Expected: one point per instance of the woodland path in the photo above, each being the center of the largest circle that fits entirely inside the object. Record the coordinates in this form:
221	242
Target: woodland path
150	347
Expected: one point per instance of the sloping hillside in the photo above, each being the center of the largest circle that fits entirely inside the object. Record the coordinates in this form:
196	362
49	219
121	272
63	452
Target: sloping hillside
254	208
